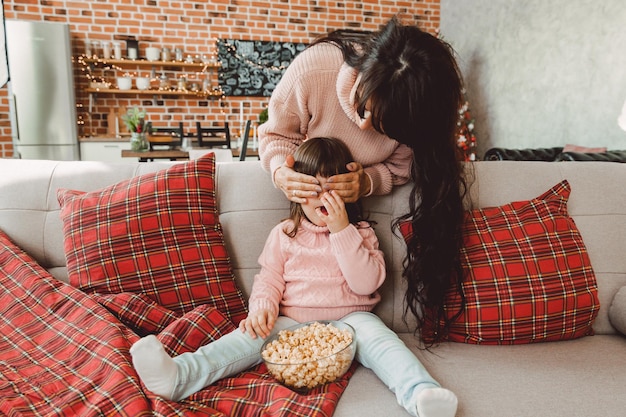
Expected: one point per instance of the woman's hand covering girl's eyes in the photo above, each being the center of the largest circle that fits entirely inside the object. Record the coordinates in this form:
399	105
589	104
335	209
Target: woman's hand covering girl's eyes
296	186
351	186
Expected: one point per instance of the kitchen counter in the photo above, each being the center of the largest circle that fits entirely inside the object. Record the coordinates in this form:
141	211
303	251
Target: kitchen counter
105	138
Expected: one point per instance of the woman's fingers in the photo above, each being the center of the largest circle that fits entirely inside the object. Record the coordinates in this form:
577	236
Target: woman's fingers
298	187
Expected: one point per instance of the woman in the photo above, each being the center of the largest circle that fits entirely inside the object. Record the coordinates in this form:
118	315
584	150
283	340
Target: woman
393	98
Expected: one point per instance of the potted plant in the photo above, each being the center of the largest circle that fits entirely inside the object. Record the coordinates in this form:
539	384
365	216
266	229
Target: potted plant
135	121
263	116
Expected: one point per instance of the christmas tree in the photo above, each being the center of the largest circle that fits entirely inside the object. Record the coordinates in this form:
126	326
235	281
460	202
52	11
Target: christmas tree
465	137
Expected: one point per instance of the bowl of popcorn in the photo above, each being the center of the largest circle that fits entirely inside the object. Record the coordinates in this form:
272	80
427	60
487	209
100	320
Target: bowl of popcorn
310	354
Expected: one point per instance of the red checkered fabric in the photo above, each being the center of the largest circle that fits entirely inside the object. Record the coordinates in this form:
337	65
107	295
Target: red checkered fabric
528	274
247	393
157	234
137	311
197	328
63	354
178	334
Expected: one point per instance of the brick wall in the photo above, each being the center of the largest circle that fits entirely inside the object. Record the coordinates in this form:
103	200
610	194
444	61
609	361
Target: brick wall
194	26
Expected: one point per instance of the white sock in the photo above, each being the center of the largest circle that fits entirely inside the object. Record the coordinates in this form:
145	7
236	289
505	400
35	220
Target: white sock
436	402
155	367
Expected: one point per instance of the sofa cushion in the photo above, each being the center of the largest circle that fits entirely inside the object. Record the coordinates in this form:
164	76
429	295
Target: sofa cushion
157	234
617	311
528	277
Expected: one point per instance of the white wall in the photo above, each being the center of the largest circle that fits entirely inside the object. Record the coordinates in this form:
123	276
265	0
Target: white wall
541	73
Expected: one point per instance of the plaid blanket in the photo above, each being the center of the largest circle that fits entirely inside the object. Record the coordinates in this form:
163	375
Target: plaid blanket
66	353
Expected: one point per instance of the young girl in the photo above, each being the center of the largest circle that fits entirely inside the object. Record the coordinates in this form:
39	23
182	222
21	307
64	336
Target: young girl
323	263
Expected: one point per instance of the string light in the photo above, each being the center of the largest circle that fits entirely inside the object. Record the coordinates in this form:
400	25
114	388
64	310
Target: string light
232	51
88	63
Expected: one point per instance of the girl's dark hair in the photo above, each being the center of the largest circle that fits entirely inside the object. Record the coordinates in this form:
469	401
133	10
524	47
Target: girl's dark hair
325	157
411	82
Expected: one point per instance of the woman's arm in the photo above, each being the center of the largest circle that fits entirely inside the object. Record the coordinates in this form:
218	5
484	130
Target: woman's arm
279	138
395	170
288	116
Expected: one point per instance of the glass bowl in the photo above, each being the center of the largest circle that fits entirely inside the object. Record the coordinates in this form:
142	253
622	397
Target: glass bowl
310	354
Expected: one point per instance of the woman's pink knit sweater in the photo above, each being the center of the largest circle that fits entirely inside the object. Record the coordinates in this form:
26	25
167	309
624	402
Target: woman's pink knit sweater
315	97
318	275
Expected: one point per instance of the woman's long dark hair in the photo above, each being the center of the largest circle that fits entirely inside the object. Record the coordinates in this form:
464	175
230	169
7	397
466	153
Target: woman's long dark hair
325	157
412	85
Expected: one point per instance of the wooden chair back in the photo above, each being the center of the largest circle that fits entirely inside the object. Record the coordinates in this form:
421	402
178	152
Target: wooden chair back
244	142
213	136
166	137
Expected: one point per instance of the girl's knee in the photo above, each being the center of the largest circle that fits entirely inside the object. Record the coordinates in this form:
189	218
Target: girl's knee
360	316
365	322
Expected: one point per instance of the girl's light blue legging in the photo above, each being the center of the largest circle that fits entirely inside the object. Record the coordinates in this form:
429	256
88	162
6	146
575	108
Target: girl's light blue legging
378	348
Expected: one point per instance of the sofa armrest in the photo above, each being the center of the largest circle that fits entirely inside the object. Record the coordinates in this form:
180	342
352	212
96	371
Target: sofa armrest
609	156
538	154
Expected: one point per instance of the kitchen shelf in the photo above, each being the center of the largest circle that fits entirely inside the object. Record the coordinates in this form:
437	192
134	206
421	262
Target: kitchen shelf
175	68
200	94
131	63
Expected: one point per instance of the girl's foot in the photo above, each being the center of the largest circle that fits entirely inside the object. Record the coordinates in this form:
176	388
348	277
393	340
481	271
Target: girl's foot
155	367
436	402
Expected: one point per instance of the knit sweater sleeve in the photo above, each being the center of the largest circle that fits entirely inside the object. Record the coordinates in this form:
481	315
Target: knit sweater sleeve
360	260
269	283
288	119
395	170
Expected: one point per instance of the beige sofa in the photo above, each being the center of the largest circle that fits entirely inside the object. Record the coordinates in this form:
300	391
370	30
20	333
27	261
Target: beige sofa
584	377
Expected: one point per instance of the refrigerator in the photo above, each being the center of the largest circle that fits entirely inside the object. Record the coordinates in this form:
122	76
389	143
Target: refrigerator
42	100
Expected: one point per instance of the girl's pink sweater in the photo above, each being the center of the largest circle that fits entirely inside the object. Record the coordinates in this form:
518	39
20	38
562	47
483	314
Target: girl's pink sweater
315	97
318	275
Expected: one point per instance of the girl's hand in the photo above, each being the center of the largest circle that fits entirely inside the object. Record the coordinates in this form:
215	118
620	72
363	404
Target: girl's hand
336	216
259	323
297	187
350	186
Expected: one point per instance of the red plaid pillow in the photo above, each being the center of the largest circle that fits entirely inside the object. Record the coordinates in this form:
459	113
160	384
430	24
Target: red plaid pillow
178	334
138	312
197	328
157	234
528	275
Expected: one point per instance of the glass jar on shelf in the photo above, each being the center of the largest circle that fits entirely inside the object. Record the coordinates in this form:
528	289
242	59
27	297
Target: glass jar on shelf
179	54
182	83
166	54
164	82
106	50
117	50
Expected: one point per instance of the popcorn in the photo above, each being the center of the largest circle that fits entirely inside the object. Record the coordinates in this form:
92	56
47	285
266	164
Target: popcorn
308	356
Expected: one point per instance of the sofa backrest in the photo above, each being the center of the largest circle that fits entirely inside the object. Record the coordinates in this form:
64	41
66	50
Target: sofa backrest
250	206
29	209
597	204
